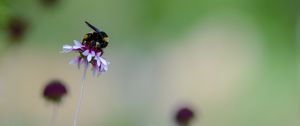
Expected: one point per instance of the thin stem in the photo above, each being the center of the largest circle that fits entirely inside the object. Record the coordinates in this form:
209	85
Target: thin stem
54	115
80	96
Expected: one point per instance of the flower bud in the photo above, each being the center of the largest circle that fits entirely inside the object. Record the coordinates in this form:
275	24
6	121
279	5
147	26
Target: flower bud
55	91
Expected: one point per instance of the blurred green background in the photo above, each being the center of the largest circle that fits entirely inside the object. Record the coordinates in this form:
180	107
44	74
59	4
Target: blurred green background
234	61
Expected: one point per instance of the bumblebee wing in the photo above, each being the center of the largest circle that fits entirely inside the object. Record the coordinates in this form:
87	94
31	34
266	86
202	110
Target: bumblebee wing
92	27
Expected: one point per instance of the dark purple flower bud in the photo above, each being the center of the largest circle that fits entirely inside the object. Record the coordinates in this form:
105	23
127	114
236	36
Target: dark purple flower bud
184	115
49	3
55	91
16	28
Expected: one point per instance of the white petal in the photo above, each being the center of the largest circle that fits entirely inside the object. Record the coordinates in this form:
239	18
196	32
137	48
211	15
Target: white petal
93	53
89	58
79	63
101	68
103	61
77	43
74	60
98	54
98	61
86	53
95	70
84	62
67	48
76	47
105	67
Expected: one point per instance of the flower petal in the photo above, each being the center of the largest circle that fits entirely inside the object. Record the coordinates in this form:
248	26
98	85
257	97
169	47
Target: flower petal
86	53
98	54
105	67
67	48
93	53
89	57
77	45
98	61
74	60
95	69
103	61
80	61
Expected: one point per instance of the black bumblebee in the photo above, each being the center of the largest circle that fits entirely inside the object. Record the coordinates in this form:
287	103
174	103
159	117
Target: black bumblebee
98	38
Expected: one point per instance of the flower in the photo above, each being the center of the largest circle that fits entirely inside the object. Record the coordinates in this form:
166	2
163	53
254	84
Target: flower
54	91
184	115
17	28
89	53
49	3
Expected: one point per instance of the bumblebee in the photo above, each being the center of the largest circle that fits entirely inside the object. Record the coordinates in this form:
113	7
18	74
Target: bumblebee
97	38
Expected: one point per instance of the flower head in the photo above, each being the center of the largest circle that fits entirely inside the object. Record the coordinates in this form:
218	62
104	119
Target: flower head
184	115
49	3
16	28
87	55
54	91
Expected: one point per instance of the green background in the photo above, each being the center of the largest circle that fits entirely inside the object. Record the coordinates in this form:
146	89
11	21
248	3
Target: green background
234	61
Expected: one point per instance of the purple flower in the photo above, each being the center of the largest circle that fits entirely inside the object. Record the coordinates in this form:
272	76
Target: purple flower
49	3
184	115
54	91
17	27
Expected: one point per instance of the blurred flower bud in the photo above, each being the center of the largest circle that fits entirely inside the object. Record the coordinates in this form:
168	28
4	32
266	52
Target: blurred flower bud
49	3
55	91
184	115
16	28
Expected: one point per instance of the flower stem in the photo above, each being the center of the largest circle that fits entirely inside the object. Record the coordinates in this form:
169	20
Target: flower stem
80	96
54	115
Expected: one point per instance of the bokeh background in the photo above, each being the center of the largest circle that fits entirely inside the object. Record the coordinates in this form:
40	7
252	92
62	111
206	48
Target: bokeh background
234	61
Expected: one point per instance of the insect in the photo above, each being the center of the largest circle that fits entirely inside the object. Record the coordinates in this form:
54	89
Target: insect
97	38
